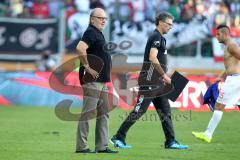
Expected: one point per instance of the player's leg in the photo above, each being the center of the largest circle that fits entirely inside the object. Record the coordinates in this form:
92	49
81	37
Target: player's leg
140	108
214	121
90	100
228	95
212	125
101	130
164	112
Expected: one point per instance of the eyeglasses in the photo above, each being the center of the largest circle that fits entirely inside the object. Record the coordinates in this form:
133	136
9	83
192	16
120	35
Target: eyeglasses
169	24
101	18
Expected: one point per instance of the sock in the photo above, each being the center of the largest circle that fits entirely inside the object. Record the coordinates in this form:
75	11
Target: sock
216	118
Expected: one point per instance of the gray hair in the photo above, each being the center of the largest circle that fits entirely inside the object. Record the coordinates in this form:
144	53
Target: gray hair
162	16
91	14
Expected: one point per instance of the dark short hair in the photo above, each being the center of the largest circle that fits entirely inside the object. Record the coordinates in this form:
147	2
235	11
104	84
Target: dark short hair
162	16
223	26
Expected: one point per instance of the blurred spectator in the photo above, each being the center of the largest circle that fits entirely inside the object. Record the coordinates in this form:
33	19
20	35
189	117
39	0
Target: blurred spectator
110	7
46	62
200	6
137	12
28	3
70	8
235	7
123	10
15	8
188	11
83	6
237	20
107	4
175	10
77	24
54	7
26	13
96	4
162	5
150	13
40	9
222	15
3	8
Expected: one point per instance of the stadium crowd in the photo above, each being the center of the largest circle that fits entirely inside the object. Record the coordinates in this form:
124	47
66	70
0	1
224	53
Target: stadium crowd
127	10
126	15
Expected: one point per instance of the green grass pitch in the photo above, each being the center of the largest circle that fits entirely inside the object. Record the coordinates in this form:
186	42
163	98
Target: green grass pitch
34	133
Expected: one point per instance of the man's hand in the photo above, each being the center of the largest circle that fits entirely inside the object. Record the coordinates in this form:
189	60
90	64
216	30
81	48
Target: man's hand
218	79
167	79
221	76
92	72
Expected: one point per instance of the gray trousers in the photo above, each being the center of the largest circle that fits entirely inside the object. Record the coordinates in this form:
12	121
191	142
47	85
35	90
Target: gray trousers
95	105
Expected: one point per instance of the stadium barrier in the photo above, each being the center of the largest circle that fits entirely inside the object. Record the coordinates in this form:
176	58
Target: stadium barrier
33	89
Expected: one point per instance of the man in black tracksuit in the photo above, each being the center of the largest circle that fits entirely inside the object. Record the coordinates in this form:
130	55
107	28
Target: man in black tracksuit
152	79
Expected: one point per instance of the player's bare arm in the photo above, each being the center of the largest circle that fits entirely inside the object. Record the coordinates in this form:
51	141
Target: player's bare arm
234	50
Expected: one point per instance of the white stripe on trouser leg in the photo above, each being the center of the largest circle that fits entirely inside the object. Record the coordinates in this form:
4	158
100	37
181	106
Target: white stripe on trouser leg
140	100
150	72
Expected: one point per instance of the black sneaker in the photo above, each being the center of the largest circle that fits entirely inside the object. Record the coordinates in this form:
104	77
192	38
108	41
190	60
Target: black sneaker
107	150
85	151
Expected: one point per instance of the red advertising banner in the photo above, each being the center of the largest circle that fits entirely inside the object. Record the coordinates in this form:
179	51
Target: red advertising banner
190	99
123	91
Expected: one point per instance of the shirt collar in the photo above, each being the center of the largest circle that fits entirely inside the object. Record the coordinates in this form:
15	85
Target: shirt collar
95	28
158	32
